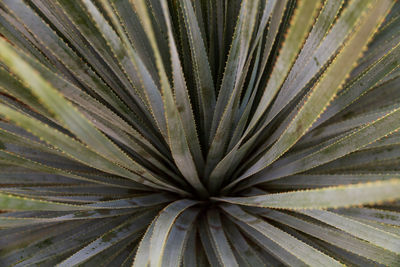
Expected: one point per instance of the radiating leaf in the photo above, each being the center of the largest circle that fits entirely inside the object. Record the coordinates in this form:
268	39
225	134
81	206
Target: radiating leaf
329	197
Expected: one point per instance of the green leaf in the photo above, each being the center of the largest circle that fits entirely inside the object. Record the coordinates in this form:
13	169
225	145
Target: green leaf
11	85
242	247
375	236
147	200
66	242
130	60
234	156
335	129
202	72
306	181
352	142
376	215
177	238
362	84
74	148
107	256
182	98
301	250
270	251
321	45
229	94
223	250
330	197
65	112
364	158
135	33
86	103
384	227
324	91
177	139
143	251
9	221
207	243
191	256
300	23
335	39
15	160
334	237
74	22
199	133
10	202
162	229
59	54
109	239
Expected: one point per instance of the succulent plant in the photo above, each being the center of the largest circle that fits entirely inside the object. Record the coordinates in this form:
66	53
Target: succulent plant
199	133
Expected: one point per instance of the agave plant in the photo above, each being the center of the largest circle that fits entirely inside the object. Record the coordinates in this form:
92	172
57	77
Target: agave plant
199	133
